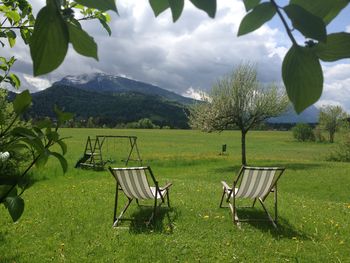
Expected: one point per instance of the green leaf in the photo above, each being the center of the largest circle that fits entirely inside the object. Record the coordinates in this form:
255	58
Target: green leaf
15	206
250	4
176	7
22	102
14	80
62	116
82	42
325	9
63	146
309	25
302	75
159	6
13	15
43	158
102	5
11	37
336	47
23	132
106	26
26	34
62	160
49	42
209	6
256	18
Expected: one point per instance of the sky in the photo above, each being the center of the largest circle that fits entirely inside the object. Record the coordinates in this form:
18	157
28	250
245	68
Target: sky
188	56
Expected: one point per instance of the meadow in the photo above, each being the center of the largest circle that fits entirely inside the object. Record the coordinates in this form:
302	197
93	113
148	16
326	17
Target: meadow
68	217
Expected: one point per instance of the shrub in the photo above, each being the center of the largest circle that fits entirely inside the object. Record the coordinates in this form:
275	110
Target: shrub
342	154
303	132
318	134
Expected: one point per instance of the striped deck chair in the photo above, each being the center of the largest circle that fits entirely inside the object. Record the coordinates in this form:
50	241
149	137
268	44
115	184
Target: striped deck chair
132	181
255	183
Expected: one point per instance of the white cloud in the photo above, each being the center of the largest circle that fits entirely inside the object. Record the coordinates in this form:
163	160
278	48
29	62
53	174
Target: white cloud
336	88
39	83
193	52
195	94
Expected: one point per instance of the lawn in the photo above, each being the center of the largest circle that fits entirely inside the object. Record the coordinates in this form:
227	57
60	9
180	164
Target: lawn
68	218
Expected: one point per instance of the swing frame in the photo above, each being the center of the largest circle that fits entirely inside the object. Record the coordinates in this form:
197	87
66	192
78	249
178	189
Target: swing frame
93	153
132	142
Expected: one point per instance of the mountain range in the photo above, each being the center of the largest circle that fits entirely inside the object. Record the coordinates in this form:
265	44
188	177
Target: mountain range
113	100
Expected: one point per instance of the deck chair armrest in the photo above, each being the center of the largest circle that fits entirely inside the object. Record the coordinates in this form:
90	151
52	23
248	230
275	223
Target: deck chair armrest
225	185
165	187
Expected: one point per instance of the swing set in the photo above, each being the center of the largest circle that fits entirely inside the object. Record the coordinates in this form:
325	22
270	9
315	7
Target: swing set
97	151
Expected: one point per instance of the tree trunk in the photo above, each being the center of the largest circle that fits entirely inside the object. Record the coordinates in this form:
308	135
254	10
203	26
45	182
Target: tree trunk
244	160
331	136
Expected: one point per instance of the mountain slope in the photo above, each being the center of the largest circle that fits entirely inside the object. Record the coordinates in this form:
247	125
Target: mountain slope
310	115
103	83
119	108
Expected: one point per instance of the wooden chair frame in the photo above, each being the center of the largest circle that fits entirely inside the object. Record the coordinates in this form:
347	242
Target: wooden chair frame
158	193
231	195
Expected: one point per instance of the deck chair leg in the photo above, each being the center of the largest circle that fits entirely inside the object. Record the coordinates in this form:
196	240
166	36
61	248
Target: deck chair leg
137	202
269	216
222	198
275	197
167	198
121	214
254	202
115	204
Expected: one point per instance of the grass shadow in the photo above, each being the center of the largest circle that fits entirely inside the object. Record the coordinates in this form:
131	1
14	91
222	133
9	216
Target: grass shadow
227	169
288	166
284	228
301	166
163	221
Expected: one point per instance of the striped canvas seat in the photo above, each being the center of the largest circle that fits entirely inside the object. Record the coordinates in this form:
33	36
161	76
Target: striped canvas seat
135	185
133	182
254	183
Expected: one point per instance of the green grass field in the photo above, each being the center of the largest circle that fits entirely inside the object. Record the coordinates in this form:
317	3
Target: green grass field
68	218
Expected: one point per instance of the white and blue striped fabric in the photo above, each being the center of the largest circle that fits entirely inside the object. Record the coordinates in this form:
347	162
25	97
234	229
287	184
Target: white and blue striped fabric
134	183
256	182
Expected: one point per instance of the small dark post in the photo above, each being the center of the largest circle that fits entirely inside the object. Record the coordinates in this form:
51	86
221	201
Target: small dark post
223	149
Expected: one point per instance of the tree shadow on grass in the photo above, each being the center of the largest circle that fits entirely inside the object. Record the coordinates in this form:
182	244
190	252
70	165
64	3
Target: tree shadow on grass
284	228
163	221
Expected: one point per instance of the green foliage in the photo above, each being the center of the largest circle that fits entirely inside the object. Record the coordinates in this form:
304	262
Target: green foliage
256	18
16	14
302	89
238	100
336	47
331	119
318	132
309	25
176	7
342	153
24	146
81	41
325	9
250	4
49	43
303	132
107	109
6	76
103	6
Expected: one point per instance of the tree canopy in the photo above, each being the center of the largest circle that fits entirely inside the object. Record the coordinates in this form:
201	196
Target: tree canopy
239	100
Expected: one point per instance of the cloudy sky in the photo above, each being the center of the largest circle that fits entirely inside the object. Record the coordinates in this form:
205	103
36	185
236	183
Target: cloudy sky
187	56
